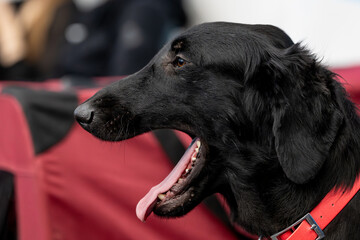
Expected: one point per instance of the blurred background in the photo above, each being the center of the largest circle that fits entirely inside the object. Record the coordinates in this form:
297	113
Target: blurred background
330	28
42	39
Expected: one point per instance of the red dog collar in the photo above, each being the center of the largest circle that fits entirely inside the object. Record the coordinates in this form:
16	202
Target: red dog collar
310	227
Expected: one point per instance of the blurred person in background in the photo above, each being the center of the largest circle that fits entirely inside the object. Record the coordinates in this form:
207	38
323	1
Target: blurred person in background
22	36
41	39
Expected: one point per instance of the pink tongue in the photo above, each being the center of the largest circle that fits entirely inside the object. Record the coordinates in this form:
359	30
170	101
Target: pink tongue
147	203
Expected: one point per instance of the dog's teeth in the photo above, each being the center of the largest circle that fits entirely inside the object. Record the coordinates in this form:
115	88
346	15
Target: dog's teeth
187	170
181	180
161	196
198	143
193	158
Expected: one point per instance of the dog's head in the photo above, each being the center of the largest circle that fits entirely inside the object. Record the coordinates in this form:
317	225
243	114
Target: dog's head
259	108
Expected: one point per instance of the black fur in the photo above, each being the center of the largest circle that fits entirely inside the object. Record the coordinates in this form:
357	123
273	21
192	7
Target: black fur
278	130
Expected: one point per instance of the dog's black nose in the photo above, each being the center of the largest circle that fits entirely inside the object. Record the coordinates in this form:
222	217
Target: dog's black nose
84	114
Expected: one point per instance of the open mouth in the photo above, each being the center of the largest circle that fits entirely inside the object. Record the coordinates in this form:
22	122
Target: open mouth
175	190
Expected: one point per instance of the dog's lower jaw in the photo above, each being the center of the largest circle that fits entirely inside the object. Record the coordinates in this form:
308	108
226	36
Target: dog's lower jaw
179	206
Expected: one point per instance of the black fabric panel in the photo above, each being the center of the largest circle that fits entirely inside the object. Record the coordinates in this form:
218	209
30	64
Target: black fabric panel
175	149
7	207
171	144
49	114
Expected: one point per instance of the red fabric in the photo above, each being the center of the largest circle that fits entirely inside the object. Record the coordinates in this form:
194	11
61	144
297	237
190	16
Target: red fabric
17	157
83	188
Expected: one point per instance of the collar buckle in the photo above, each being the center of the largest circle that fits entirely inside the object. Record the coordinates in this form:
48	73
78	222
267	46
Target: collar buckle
314	226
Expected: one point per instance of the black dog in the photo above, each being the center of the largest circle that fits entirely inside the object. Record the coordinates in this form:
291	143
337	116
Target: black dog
275	132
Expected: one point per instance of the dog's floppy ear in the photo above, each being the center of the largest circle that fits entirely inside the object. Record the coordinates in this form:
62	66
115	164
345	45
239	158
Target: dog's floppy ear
306	118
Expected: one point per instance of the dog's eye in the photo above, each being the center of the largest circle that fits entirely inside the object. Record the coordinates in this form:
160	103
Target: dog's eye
179	62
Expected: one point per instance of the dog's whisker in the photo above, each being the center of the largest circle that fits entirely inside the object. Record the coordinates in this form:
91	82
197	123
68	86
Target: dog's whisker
127	128
236	145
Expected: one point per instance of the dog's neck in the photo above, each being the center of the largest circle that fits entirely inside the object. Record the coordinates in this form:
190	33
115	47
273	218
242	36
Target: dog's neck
272	202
